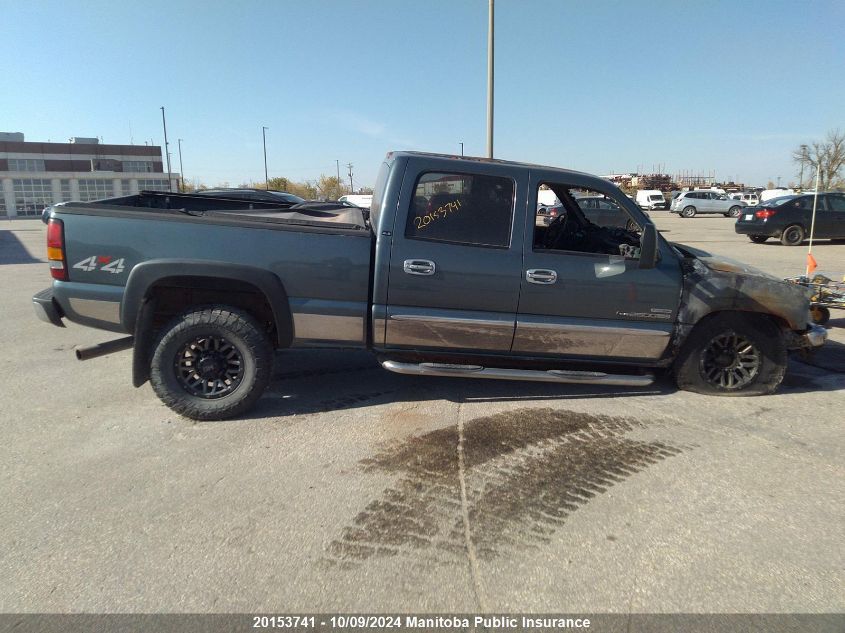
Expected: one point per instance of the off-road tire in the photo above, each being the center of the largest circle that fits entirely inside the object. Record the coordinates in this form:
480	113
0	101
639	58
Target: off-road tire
691	365
758	239
792	235
238	329
688	212
735	211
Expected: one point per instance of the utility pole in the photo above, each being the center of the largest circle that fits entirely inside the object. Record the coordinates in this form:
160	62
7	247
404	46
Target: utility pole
351	188
462	149
166	151
804	149
181	170
337	162
490	82
264	138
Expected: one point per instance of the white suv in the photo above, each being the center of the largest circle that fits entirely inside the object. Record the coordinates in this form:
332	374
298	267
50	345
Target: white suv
750	199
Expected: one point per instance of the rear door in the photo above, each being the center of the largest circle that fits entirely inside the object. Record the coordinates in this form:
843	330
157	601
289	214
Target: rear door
456	257
836	212
825	226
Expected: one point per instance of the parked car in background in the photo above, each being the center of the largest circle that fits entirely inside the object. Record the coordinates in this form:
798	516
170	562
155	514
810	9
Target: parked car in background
600	210
651	199
688	204
770	194
789	219
259	195
748	198
359	200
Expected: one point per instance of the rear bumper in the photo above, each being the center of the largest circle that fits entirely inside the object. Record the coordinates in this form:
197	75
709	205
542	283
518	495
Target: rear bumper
47	309
752	228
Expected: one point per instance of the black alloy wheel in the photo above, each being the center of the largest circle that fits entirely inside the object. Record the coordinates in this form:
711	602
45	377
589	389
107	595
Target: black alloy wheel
730	361
211	362
209	367
732	354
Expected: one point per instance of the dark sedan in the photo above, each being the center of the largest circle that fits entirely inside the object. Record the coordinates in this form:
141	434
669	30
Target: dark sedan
789	219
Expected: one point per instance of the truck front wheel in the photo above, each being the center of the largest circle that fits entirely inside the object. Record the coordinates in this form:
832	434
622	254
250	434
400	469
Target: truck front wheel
732	355
211	363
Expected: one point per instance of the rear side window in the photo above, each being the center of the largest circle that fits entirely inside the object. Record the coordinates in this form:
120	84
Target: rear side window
462	208
837	203
805	203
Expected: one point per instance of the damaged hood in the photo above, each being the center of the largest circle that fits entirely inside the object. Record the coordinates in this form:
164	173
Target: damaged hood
713	283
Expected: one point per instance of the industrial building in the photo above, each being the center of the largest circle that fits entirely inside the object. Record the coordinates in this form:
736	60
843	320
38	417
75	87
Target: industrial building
34	175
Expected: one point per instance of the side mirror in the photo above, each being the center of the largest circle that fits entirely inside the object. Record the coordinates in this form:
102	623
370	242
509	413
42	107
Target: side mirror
648	246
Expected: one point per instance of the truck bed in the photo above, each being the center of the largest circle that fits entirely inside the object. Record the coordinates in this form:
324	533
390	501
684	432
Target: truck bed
222	210
115	248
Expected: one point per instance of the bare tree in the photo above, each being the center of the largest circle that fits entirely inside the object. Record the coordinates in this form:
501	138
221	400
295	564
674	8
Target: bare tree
828	155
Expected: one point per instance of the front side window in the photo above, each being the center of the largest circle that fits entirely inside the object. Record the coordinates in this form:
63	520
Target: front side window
586	221
462	208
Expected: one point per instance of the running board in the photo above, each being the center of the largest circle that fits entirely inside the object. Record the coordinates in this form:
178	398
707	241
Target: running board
536	375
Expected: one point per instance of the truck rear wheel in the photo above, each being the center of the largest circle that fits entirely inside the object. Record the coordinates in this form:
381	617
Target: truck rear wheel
732	354
211	363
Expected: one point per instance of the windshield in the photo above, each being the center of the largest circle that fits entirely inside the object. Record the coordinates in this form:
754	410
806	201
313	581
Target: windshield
289	197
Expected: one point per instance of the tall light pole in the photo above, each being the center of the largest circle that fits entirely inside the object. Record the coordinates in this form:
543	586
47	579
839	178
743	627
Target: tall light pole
804	149
337	163
462	149
181	170
166	151
490	82
351	189
264	138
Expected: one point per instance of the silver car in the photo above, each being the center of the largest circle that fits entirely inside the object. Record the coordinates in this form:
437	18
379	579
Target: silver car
688	204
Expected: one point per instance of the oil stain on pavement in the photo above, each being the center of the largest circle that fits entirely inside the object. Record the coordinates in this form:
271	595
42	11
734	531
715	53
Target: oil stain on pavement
526	470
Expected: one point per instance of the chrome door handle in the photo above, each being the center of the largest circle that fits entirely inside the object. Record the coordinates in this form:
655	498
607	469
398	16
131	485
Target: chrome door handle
540	276
419	267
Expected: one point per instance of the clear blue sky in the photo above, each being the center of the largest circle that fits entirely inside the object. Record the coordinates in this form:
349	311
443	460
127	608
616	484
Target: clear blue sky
594	86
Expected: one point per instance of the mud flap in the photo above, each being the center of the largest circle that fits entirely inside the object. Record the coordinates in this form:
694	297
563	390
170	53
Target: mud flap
141	352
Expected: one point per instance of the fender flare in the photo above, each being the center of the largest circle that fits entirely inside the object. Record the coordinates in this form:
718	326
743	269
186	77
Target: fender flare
146	274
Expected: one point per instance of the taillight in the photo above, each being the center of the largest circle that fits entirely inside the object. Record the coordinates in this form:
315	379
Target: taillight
764	213
56	249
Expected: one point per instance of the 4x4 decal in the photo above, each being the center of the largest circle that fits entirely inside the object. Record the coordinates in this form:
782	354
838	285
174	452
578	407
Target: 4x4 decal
105	263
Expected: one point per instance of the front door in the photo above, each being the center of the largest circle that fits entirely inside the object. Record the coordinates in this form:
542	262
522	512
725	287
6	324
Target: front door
583	293
456	259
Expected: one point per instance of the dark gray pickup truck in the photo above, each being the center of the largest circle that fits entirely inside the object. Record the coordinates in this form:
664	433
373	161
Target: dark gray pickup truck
450	274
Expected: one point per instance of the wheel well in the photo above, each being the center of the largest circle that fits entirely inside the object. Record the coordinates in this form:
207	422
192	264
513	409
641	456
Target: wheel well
764	318
174	295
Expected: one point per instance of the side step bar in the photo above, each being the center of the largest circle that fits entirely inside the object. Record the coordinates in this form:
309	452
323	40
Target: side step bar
536	375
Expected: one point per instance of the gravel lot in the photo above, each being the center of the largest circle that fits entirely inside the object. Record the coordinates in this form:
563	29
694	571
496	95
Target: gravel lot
344	490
